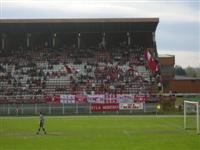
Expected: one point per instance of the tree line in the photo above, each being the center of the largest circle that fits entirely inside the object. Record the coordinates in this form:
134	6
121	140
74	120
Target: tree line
188	71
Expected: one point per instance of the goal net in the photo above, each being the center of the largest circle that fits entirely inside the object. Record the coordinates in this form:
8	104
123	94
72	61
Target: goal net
191	116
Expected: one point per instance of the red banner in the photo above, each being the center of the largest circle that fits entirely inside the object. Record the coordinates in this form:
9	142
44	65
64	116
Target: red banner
104	107
140	98
53	99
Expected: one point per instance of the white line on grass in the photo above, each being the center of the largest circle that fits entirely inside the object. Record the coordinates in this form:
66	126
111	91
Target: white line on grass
107	116
126	132
178	127
103	116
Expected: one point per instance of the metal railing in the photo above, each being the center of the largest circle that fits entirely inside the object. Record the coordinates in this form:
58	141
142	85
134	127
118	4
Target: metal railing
65	109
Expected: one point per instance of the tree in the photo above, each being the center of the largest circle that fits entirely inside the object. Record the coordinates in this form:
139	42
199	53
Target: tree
191	72
179	70
198	72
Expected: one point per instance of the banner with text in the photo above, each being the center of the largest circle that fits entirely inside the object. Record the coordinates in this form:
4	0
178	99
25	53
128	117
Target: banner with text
80	99
95	99
140	98
110	98
133	106
67	99
98	99
104	107
125	98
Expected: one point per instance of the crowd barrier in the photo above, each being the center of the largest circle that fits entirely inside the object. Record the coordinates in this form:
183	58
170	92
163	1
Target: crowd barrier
76	109
80	104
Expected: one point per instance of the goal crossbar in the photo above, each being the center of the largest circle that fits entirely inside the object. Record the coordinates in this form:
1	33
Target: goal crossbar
191	102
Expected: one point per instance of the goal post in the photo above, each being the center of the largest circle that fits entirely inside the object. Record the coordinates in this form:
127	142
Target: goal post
191	115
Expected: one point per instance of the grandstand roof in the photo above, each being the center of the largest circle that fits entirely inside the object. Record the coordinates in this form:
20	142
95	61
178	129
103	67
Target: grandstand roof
79	25
82	20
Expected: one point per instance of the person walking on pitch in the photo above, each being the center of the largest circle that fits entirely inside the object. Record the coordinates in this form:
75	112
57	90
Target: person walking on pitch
41	124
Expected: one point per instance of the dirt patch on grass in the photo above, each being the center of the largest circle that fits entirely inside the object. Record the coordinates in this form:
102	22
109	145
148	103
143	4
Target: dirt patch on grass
55	133
29	134
152	132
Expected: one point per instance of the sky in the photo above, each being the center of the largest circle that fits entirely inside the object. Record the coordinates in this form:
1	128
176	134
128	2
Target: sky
178	31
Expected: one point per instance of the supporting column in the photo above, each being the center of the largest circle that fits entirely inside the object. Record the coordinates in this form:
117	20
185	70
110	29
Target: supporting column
54	40
79	40
49	109
63	108
22	108
198	128
28	40
185	103
132	39
153	37
90	109
76	108
3	41
104	40
35	109
129	38
8	109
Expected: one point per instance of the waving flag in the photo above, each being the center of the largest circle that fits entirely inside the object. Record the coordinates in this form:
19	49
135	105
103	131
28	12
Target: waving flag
70	69
151	61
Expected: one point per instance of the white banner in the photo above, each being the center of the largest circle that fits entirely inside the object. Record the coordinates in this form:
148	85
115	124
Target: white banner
67	99
95	99
125	98
133	106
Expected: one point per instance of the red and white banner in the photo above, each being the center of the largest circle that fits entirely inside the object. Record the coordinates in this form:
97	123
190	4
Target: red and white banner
96	99
140	98
67	99
111	98
53	99
133	106
104	107
125	98
99	99
80	99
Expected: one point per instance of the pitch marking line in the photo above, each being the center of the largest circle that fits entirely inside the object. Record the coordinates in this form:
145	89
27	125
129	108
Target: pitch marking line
110	116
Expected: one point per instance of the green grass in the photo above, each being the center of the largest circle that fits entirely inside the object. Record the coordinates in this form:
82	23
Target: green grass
98	133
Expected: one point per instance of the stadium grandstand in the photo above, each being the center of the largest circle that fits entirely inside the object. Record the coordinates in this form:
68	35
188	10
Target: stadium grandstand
43	60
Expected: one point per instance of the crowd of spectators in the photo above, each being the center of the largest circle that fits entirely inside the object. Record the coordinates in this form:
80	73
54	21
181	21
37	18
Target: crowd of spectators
114	70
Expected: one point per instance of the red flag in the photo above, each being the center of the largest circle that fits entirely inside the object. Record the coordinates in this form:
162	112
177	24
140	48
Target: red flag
132	68
70	69
153	65
151	61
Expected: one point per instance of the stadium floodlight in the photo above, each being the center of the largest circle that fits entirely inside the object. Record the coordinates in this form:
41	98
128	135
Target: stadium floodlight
191	115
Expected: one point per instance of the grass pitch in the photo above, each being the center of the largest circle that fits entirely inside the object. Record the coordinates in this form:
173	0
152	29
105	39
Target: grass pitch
98	133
